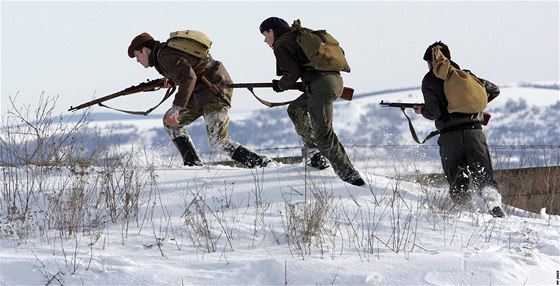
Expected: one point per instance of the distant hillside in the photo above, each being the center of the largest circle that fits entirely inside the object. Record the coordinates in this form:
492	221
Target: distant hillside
523	114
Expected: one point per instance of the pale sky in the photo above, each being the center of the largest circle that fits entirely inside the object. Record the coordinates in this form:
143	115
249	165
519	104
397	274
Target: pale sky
77	50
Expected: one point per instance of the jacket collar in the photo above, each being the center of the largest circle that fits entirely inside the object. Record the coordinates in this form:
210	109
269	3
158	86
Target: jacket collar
152	60
280	32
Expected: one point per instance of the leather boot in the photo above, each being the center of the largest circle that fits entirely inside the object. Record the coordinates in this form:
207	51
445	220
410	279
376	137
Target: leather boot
314	158
188	152
318	161
249	158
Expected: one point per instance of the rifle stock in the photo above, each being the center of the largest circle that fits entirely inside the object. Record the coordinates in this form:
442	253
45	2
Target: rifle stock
150	85
347	92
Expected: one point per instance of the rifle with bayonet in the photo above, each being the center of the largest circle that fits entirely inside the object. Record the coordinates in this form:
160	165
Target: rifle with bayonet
347	92
149	85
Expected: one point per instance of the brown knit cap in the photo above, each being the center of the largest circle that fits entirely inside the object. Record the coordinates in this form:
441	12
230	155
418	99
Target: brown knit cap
137	42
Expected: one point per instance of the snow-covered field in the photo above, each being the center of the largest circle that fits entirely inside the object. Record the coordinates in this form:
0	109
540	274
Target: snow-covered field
391	233
284	224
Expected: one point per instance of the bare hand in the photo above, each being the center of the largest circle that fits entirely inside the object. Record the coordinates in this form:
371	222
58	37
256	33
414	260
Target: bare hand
171	116
417	109
167	83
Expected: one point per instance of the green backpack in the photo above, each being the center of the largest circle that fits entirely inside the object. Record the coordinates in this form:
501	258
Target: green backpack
321	49
191	42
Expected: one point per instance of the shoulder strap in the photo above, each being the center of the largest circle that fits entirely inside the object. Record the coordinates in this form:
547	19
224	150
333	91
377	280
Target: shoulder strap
413	132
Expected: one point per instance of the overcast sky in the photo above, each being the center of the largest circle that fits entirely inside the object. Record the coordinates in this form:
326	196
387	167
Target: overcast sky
77	50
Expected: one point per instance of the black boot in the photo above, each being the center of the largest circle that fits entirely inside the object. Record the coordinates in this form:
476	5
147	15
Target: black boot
314	158
319	161
459	190
188	152
249	158
354	179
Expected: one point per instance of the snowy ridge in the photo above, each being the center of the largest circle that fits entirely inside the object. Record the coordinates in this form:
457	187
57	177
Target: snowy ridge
390	233
522	115
285	224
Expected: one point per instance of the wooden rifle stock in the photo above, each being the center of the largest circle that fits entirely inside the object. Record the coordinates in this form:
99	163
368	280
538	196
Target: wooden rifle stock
150	85
347	92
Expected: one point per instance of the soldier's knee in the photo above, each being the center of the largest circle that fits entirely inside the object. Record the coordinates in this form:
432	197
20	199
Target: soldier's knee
292	109
296	111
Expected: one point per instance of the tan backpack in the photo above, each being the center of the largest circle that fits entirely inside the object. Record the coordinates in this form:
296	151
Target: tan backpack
464	91
191	42
321	49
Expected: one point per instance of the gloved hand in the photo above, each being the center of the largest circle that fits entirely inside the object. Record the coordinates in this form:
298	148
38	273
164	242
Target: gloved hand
171	116
275	86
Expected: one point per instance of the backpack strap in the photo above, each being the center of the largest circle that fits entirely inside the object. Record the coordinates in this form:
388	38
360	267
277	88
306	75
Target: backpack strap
413	132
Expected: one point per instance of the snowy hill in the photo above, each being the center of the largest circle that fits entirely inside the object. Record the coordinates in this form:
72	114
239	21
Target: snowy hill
523	114
145	220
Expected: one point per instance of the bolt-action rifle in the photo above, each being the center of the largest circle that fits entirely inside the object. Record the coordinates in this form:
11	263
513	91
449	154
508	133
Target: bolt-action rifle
403	106
347	92
400	105
150	85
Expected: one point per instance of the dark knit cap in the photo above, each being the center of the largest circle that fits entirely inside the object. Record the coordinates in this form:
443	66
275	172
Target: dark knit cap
138	42
442	47
272	23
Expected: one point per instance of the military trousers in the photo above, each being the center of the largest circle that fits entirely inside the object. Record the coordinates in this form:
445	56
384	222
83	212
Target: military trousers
464	154
216	119
312	116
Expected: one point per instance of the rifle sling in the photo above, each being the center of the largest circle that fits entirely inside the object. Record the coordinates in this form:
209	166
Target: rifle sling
168	93
413	132
267	103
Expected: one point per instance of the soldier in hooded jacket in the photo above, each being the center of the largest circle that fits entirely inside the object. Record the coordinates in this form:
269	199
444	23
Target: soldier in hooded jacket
463	148
193	99
312	112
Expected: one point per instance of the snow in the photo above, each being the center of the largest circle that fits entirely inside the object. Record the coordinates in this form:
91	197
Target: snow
390	233
220	225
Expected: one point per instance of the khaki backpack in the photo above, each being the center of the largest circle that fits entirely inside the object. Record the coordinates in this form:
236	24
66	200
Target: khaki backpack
464	91
191	42
321	49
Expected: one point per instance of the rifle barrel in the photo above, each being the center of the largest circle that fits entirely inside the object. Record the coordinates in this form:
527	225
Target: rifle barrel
150	85
96	101
399	104
248	85
347	92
